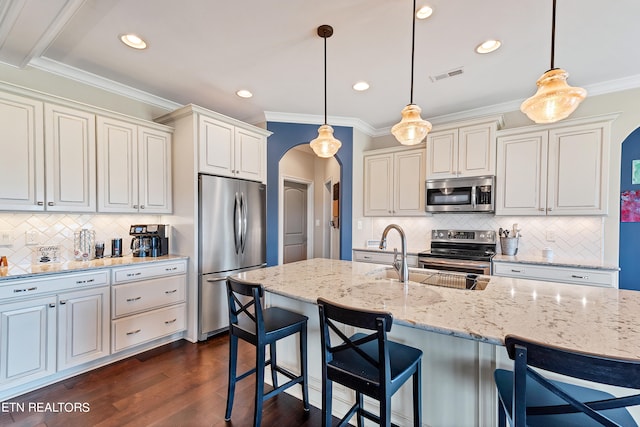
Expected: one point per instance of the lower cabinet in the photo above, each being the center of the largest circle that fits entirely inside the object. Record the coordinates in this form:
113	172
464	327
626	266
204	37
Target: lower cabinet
148	302
382	257
575	275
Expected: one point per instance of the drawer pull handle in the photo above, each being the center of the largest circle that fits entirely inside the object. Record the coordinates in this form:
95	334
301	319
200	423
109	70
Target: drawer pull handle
52	306
171	292
133	299
366	257
15	291
134	332
516	271
171	269
63	302
168	322
134	274
577	276
80	282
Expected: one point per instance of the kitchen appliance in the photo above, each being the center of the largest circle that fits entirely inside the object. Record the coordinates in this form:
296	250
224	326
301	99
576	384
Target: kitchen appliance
232	226
149	240
469	194
467	251
116	247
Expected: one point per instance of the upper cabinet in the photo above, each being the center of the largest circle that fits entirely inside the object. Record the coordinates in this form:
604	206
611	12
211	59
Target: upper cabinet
394	182
228	150
559	169
21	153
463	149
134	167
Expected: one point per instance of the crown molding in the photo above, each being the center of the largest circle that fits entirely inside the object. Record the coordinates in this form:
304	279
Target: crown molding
314	119
60	69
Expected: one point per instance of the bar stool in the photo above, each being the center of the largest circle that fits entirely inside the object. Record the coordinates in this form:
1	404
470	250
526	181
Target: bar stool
527	398
368	364
261	327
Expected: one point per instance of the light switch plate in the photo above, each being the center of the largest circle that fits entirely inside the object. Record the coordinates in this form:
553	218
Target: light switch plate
6	237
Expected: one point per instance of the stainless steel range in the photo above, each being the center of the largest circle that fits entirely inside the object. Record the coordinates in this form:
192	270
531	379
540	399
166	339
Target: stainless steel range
468	251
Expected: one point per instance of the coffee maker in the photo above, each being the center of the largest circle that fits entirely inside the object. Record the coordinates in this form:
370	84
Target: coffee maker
149	240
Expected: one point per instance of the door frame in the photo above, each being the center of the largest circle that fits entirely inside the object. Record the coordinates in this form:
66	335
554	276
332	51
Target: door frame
310	214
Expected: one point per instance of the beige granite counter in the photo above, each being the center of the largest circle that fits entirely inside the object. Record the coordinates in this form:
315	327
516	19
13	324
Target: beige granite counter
555	262
598	320
37	270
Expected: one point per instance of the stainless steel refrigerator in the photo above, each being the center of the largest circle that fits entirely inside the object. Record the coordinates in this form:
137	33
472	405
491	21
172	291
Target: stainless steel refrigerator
232	239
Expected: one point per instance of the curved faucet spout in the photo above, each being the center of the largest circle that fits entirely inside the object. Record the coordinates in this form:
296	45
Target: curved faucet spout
399	265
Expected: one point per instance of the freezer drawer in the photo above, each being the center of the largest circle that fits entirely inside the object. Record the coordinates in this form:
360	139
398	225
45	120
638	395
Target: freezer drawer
214	314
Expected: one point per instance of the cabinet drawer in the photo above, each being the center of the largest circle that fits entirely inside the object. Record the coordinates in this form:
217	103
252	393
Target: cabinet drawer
382	258
143	272
139	296
137	329
583	276
43	285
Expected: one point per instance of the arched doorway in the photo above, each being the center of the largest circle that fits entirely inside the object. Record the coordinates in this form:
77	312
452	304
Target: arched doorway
630	212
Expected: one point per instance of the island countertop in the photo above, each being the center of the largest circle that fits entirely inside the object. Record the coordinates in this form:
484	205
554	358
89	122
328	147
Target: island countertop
593	319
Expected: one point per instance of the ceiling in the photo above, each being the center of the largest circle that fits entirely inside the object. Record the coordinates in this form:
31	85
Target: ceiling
202	51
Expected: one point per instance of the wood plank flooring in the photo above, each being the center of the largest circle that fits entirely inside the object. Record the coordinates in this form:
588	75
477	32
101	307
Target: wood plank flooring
179	384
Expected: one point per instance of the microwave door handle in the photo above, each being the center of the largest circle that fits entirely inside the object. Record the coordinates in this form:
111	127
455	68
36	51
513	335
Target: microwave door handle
473	196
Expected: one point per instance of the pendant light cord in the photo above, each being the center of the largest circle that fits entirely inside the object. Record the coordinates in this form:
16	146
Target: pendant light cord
413	44
553	34
325	78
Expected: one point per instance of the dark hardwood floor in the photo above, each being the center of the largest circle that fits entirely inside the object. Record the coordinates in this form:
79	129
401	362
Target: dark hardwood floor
179	384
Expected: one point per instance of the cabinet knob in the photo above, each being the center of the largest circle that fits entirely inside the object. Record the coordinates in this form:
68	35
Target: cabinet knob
63	302
50	204
52	306
40	203
141	206
549	209
135	206
541	209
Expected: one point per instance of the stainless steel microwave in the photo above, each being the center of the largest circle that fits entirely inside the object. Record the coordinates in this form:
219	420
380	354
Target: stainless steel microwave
468	194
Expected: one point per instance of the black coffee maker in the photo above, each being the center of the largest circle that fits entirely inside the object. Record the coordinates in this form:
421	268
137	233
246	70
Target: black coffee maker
149	240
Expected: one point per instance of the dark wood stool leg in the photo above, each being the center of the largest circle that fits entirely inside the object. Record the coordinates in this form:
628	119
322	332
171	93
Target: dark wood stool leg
231	384
417	397
303	366
274	364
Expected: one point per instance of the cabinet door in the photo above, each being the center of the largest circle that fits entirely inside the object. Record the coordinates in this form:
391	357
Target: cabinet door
216	145
27	340
409	177
154	171
442	154
578	170
70	140
477	150
83	326
249	151
21	154
378	185
117	166
521	178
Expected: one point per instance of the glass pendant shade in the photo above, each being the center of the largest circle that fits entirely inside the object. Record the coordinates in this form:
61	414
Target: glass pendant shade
555	99
325	145
412	129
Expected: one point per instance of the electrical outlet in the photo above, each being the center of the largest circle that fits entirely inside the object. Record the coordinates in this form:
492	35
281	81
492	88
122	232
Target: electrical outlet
6	237
551	236
31	237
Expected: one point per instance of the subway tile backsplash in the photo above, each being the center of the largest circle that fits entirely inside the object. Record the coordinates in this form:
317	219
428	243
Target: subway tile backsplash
58	229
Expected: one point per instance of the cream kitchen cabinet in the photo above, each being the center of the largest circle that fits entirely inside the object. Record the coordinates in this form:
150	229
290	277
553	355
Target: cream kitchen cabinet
463	149
148	303
563	274
560	169
134	167
48	156
394	182
228	150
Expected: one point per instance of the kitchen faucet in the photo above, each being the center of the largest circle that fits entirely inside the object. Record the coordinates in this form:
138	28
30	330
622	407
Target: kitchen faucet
399	265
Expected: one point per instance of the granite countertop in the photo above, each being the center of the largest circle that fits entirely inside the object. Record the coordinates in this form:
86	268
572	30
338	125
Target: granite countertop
555	262
593	319
36	270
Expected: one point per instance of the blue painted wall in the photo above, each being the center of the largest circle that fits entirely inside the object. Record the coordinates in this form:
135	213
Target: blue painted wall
286	136
629	231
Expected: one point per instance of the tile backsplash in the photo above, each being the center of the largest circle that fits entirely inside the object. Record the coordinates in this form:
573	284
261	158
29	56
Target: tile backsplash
58	229
579	238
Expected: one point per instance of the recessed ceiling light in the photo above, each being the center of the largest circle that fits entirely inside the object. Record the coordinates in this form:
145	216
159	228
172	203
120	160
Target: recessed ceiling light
488	46
361	86
424	12
133	41
244	93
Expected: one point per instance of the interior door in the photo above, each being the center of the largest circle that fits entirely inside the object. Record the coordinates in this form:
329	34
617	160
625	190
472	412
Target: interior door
295	222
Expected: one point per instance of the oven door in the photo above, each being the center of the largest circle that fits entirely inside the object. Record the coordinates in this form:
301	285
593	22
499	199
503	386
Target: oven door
460	265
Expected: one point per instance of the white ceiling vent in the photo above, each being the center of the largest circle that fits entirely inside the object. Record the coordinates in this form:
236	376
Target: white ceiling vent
447	74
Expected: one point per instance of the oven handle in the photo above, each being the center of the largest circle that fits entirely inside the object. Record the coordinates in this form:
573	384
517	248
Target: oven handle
462	263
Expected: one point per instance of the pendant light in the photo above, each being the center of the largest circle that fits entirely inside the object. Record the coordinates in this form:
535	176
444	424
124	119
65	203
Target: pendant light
412	129
325	145
555	99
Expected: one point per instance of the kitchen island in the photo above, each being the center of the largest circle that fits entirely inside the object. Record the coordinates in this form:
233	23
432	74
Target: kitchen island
460	331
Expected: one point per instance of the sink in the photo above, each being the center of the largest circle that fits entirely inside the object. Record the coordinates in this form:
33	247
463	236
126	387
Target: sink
439	278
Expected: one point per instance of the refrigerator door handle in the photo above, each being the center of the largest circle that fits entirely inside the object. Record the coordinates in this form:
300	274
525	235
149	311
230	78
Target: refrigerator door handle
243	238
237	223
